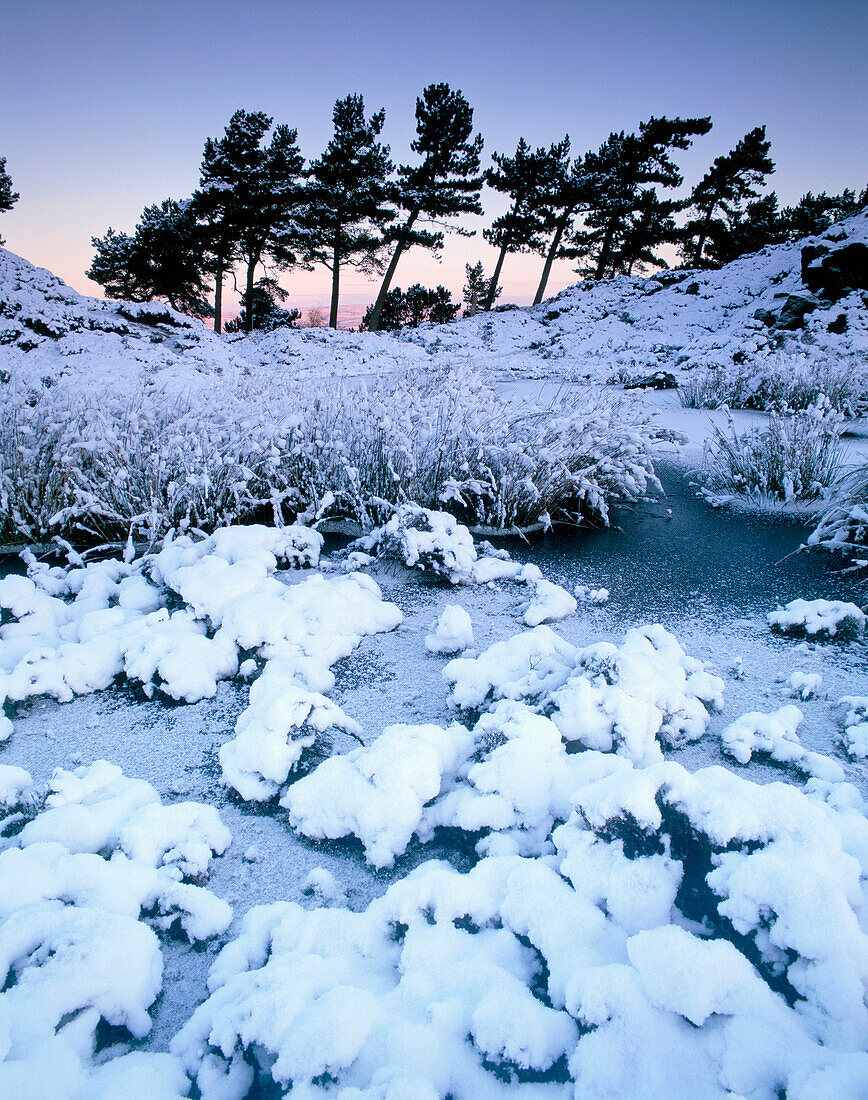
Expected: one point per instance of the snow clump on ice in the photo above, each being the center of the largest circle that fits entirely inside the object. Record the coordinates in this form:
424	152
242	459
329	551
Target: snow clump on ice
819	619
427	540
775	735
856	725
452	633
803	685
550	601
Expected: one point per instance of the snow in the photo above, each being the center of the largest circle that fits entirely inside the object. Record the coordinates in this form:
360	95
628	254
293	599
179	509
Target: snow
425	539
453	631
856	725
776	735
75	949
819	618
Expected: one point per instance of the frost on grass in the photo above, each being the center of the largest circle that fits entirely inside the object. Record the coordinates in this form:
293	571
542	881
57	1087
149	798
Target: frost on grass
843	525
670	942
822	619
796	456
774	735
83	885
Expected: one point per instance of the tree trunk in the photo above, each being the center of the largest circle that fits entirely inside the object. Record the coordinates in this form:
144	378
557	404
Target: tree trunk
251	268
492	286
605	251
336	282
703	235
550	258
400	245
218	301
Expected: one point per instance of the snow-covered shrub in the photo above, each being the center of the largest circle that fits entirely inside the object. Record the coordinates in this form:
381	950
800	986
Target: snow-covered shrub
571	974
80	460
428	540
448	438
85	886
818	619
795	457
775	735
855	725
843	524
779	383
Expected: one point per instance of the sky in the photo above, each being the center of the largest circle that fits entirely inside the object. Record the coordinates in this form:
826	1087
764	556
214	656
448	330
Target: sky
105	104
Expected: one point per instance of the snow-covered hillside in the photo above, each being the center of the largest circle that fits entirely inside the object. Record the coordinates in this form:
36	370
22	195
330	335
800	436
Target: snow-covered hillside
674	321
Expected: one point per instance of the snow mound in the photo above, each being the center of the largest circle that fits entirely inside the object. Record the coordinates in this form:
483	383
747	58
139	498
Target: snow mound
818	619
630	699
775	735
377	792
803	685
283	719
683	935
550	601
79	887
856	725
424	539
452	632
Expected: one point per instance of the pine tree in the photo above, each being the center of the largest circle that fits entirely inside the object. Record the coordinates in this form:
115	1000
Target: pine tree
420	304
813	214
477	288
617	180
348	204
445	184
529	177
755	227
163	259
731	182
560	206
8	197
250	199
262	311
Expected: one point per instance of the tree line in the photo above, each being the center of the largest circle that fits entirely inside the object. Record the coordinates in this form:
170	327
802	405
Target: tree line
261	209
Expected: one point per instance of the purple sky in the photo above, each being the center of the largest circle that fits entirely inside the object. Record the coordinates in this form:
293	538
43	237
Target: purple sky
105	104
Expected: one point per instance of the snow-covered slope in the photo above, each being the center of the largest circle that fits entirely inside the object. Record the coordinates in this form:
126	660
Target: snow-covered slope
673	321
48	331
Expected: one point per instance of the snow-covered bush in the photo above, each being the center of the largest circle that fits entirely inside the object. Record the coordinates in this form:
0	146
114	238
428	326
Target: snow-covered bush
818	619
795	457
856	725
85	887
779	383
428	540
80	460
843	524
684	935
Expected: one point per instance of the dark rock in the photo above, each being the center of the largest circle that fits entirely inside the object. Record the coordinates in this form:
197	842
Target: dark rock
792	313
766	316
659	380
839	325
692	288
835	273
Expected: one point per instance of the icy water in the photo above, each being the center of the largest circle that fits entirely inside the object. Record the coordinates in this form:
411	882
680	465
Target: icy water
680	558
